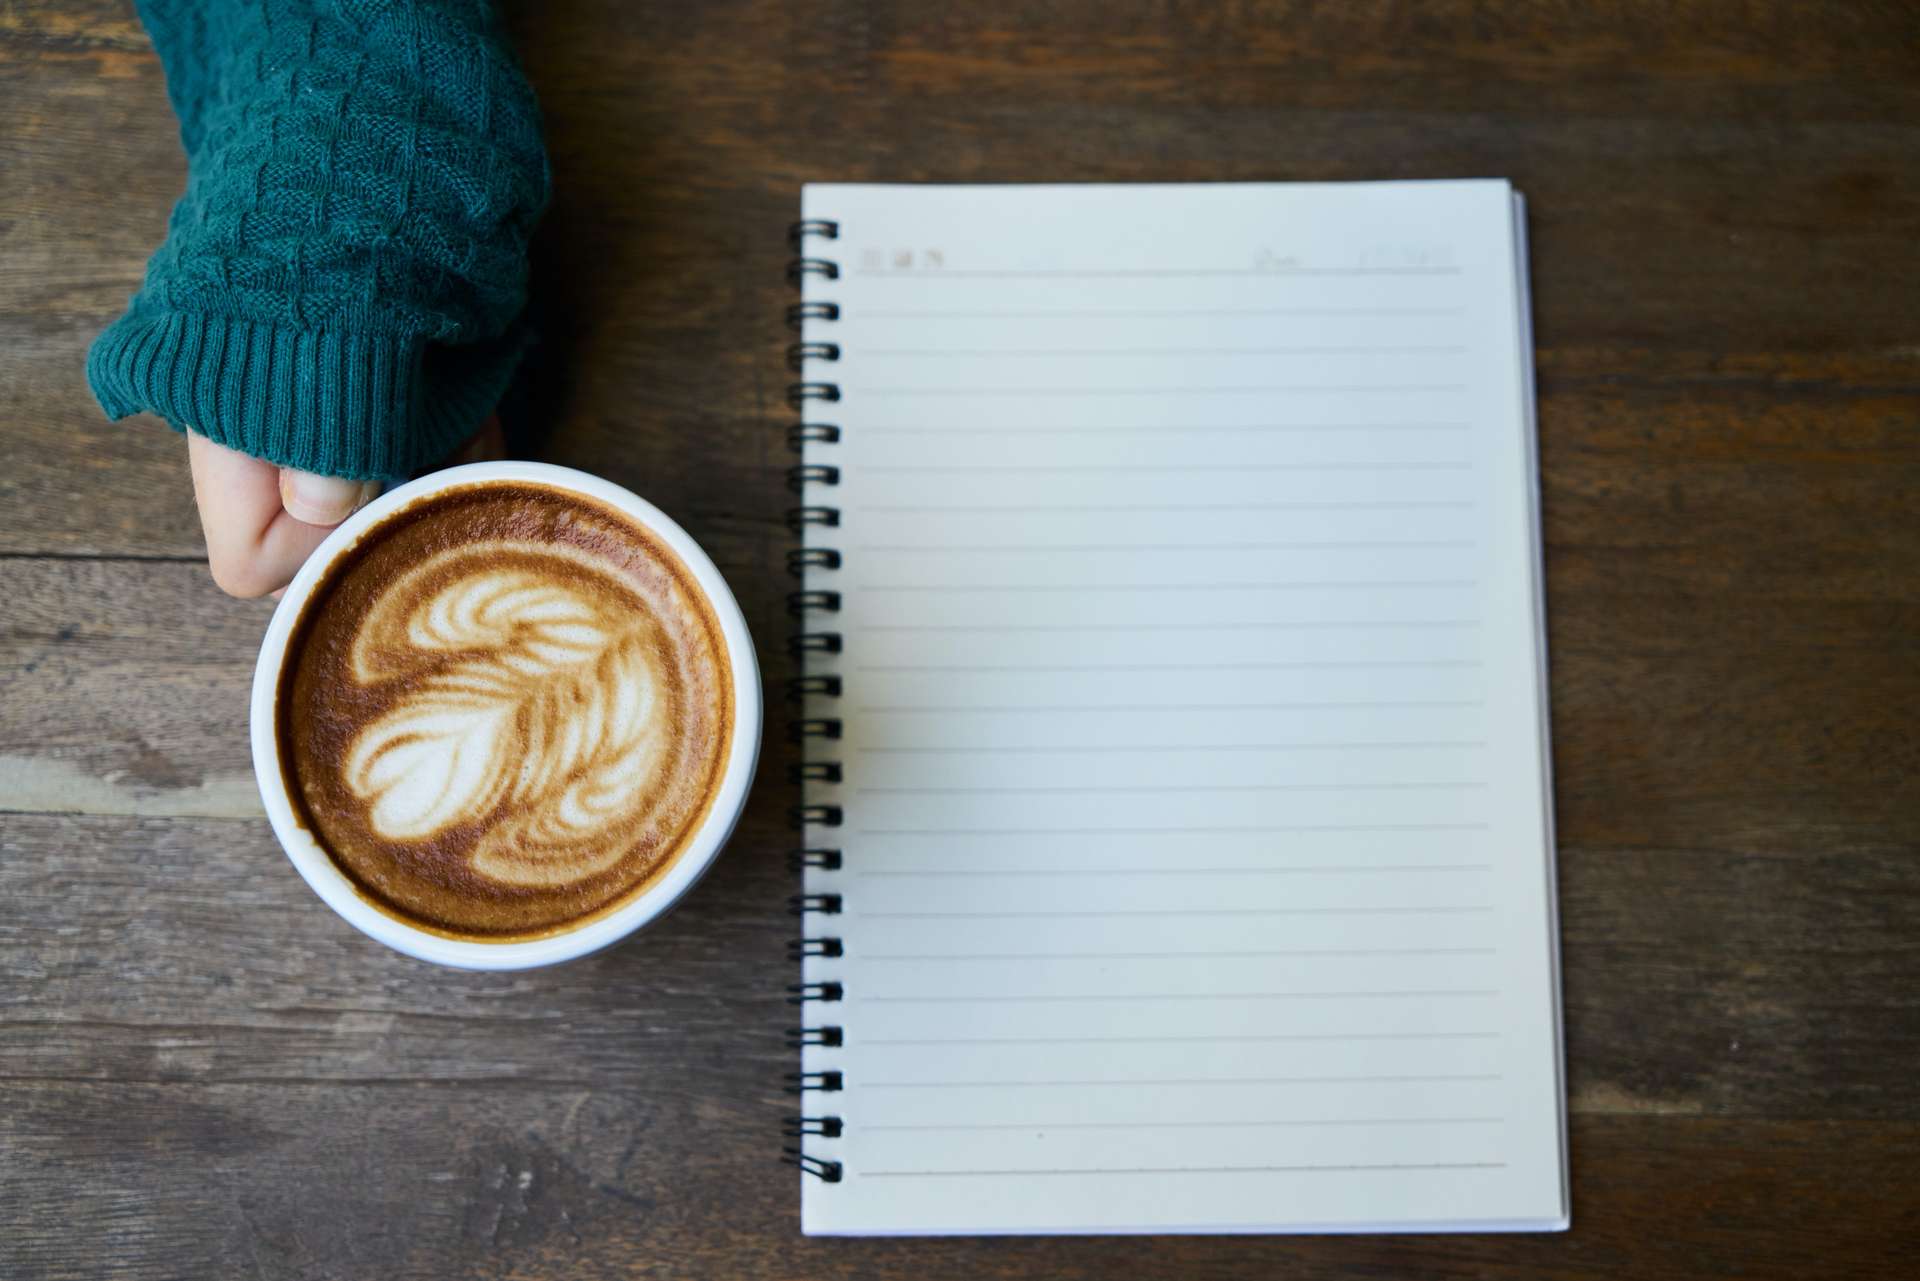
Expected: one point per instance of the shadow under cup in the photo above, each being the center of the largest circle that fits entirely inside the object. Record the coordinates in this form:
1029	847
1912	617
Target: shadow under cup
428	611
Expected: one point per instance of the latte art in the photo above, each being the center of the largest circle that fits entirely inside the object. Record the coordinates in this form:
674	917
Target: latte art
508	714
553	706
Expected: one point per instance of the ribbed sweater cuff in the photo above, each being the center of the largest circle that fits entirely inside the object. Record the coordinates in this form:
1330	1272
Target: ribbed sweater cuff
367	407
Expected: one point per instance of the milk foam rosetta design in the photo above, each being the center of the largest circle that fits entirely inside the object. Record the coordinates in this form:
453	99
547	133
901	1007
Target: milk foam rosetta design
505	712
535	705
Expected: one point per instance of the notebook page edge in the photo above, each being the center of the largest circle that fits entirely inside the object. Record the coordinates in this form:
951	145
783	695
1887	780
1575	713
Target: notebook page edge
1530	416
1561	1223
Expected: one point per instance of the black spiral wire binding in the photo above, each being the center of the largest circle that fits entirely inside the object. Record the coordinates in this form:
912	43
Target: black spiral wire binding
806	605
800	558
800	433
814	772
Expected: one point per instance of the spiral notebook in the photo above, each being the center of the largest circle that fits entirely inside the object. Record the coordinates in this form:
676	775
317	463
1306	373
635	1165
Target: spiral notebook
1177	833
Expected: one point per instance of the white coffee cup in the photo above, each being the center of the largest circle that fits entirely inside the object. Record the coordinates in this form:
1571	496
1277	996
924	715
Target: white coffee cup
327	880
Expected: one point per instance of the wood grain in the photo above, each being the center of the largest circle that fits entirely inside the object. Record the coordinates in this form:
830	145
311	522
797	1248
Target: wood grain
202	1073
419	1183
119	956
1729	983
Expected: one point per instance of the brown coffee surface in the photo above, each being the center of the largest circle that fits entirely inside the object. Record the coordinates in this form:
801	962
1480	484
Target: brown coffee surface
505	711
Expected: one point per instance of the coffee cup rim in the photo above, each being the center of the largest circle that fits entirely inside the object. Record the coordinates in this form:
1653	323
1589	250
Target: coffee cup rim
326	879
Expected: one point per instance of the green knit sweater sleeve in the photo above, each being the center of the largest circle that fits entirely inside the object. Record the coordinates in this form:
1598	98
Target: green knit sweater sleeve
343	285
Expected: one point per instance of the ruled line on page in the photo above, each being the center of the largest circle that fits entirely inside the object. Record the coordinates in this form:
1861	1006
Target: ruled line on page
1067	353
1125	913
1162	746
1184	789
1156	1040
1083	313
965	709
1323	545
1158	469
1318	585
1431	993
1190	955
1447	504
1136	998
1079	273
1179	430
1131	829
1299	665
1189	1081
1305	1122
1253	389
1295	625
1184	1169
1327	869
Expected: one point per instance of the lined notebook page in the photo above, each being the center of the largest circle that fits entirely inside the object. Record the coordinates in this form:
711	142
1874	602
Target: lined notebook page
1197	853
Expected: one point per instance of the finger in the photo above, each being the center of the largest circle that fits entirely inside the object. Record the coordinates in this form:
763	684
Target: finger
322	500
253	544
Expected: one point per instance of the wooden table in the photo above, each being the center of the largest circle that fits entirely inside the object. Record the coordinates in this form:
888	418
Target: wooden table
205	1074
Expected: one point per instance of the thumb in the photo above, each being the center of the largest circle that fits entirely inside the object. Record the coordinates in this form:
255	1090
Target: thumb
323	500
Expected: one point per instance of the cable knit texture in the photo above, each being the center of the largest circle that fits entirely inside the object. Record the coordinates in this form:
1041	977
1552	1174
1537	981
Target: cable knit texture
343	285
